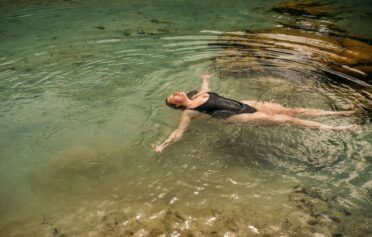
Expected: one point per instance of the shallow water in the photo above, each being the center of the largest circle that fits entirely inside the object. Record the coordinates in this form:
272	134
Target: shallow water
82	88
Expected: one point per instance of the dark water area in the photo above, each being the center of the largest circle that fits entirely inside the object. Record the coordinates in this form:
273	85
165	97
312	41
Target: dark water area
82	88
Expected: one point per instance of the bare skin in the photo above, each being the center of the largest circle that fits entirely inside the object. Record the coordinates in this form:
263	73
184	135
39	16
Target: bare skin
267	114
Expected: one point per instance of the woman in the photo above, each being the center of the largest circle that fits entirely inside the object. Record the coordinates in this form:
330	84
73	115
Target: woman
202	103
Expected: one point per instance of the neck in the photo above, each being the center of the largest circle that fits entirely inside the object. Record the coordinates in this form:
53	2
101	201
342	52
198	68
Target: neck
187	103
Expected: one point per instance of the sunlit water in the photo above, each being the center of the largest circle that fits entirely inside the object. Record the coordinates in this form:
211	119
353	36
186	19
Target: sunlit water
82	88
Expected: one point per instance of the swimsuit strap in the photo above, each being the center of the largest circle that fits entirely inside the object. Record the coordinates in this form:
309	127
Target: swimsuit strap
194	93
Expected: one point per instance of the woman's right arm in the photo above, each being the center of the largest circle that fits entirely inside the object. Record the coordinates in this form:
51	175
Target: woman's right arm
205	83
185	121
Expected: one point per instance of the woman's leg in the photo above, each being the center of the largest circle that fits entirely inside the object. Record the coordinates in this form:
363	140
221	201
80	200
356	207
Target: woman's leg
318	112
260	118
285	119
274	108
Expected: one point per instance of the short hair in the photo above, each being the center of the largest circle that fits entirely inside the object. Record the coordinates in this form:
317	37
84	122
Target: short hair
173	106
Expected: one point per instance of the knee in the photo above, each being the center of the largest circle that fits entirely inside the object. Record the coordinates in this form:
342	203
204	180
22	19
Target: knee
283	118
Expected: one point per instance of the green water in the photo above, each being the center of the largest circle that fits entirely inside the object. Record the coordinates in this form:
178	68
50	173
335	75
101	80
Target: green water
82	88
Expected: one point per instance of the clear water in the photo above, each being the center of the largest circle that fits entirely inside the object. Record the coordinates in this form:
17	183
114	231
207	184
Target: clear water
82	88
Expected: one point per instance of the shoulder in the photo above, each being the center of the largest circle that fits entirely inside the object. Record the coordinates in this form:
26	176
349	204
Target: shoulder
191	94
200	94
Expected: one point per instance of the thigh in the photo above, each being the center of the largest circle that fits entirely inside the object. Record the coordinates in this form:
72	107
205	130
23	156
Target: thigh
250	118
267	107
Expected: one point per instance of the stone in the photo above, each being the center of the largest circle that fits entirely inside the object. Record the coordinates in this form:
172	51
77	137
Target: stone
84	161
275	52
99	27
305	7
312	222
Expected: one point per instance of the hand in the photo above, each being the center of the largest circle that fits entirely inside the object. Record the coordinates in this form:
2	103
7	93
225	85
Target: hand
158	148
206	76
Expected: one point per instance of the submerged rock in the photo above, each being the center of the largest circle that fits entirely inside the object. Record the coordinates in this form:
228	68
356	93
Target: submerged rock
307	44
84	161
99	27
149	27
326	214
275	52
312	8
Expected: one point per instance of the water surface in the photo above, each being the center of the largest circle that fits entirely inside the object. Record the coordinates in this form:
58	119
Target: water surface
82	88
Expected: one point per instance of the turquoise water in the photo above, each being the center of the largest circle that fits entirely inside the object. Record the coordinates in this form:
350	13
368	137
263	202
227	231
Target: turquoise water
82	88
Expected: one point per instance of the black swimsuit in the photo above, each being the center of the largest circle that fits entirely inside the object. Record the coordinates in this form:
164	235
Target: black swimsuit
221	107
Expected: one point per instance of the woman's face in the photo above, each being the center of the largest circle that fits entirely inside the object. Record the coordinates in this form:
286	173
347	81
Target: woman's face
177	98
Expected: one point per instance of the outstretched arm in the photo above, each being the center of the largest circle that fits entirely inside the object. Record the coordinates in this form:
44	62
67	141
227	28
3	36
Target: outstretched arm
205	83
177	134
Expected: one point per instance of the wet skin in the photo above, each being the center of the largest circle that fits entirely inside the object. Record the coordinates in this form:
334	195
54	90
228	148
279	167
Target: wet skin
267	114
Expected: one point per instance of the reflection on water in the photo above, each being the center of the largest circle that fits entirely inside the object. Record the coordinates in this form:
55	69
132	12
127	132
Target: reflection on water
81	98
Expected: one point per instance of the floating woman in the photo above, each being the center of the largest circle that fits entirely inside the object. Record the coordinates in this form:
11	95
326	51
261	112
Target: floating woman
205	103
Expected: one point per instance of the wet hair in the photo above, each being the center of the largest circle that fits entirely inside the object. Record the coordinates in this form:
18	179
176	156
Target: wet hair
173	106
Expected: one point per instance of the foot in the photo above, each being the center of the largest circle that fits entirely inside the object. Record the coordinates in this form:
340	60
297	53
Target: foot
352	127
347	113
